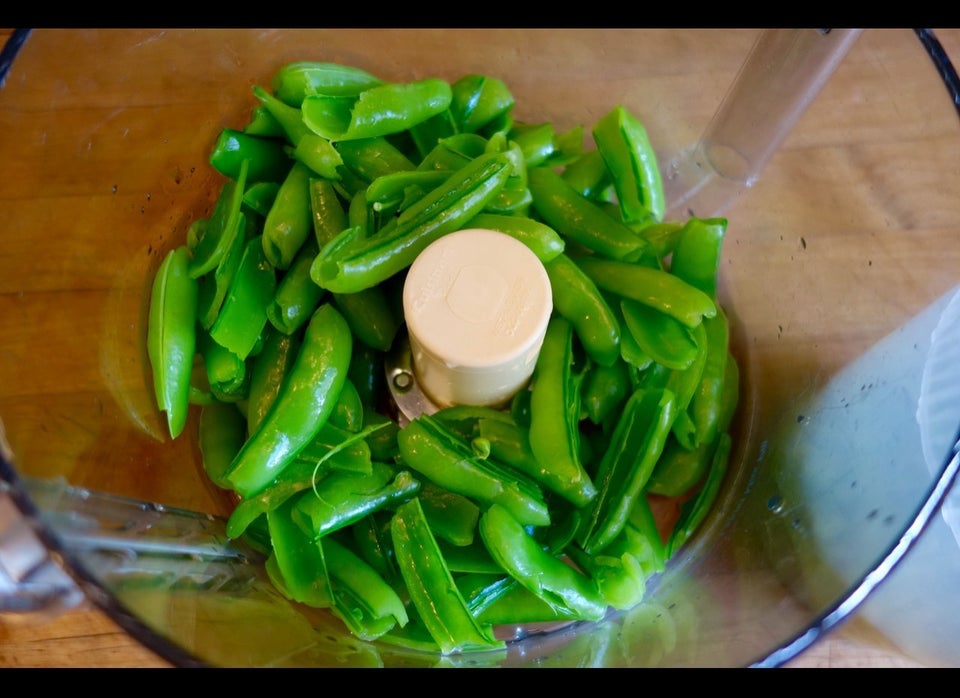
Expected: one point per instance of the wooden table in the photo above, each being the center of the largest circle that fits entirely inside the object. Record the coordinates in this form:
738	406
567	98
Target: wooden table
88	638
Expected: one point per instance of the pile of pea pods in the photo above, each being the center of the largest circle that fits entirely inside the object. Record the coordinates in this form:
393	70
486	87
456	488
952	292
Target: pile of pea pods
274	317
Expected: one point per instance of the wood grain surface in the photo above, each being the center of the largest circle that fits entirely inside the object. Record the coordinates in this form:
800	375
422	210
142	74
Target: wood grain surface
86	637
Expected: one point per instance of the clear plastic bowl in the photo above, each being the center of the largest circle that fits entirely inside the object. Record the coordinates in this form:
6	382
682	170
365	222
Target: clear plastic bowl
847	234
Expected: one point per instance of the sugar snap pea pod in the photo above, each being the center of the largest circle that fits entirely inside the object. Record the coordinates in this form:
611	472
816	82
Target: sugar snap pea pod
383	441
472	558
680	469
377	111
259	196
696	258
430	583
578	299
289	221
297	296
263	123
695	509
588	175
427	134
243	315
662	337
654	287
348	412
214	285
440	454
454	152
268	159
269	369
222	228
547	576
477	100
320	155
623	142
371	540
306	399
327	212
536	141
343	498
500	600
299	559
542	240
390	189
348	268
514	197
617	570
337	449
635	446
289	118
605	389
579	219
369	158
554	416
349	570
294	81
451	516
172	336
706	405
221	433
370	316
663	236
226	372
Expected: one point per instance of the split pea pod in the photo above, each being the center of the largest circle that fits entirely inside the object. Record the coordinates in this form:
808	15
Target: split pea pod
637	443
295	81
632	162
577	298
268	160
554	417
306	399
654	287
437	452
432	589
579	219
348	267
696	258
172	336
542	240
288	224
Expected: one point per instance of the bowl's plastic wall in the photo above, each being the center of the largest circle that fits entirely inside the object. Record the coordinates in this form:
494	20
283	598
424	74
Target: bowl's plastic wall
105	136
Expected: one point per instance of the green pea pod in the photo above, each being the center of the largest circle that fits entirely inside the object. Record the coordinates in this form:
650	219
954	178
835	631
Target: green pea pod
438	453
478	100
268	160
579	219
223	227
378	111
335	449
389	190
537	142
227	373
427	134
342	498
432	589
635	446
295	81
625	147
382	441
366	262
244	313
347	569
370	158
707	404
617	570
554	417
550	578
577	298
370	316
663	237
221	433
695	509
662	337
318	154
215	285
299	560
297	296
453	152
348	412
500	600
269	369
172	336
654	287
306	399
588	175
540	238
259	196
367	374
263	123
452	517
289	118
605	389
289	222
680	469
696	258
